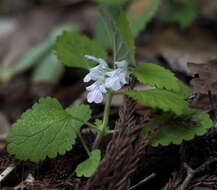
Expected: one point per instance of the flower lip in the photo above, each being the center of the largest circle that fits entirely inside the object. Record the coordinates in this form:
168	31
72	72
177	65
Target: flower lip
101	61
105	78
116	79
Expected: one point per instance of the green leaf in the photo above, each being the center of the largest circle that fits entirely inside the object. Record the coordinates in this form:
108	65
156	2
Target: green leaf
127	34
172	130
155	75
160	99
46	130
89	166
184	90
33	56
48	71
72	47
99	125
184	13
112	2
120	35
140	12
101	34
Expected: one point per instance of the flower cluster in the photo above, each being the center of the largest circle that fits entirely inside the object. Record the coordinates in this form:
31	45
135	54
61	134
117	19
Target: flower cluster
105	78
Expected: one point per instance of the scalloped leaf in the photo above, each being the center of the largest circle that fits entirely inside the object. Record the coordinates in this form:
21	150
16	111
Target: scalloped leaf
175	132
72	47
155	75
161	99
89	166
46	130
184	90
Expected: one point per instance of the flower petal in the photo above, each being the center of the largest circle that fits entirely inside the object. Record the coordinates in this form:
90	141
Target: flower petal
98	60
87	78
121	64
95	96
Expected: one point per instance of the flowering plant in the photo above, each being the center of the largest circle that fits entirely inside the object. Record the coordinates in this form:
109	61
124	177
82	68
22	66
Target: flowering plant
105	78
52	130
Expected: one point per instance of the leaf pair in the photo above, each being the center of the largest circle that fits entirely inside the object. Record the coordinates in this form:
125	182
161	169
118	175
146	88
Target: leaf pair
169	94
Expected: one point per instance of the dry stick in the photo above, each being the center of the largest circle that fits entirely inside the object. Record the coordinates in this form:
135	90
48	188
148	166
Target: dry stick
143	181
7	171
212	103
191	173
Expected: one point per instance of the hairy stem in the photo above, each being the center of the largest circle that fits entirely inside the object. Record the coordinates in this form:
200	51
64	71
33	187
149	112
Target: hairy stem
84	144
105	121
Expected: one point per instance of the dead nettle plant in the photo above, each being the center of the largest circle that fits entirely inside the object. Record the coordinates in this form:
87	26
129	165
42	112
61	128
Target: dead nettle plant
48	129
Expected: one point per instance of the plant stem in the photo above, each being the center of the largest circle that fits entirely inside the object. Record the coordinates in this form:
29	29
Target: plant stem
105	120
84	144
84	122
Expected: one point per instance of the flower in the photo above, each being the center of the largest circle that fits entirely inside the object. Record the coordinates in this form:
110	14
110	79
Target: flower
105	79
96	73
96	91
116	79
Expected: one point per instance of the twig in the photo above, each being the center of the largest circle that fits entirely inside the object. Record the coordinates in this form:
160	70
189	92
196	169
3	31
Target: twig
29	180
212	103
143	181
7	171
191	173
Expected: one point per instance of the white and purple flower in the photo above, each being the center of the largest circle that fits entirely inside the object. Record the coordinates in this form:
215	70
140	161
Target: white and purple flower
105	79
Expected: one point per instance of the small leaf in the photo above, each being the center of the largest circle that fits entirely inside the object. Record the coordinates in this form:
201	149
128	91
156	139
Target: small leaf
120	35
172	130
161	99
140	12
126	32
155	75
72	47
48	71
46	130
112	2
184	13
99	125
89	166
101	34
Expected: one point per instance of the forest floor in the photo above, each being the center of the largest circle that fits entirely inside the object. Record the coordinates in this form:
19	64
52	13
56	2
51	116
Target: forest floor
193	162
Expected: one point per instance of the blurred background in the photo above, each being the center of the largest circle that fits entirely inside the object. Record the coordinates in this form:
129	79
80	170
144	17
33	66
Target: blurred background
171	33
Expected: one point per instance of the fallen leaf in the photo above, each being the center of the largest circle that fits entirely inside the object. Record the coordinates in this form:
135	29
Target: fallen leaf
179	49
206	79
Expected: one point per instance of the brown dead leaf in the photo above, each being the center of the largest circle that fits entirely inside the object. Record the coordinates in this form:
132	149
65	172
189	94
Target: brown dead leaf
207	76
196	45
